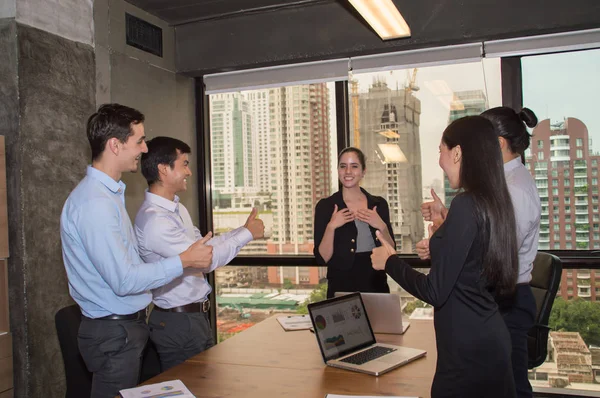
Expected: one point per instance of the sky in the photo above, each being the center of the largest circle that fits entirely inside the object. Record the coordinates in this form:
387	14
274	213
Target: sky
555	86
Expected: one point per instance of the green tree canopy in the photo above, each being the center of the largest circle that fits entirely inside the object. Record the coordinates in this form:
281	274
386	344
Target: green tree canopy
319	294
577	316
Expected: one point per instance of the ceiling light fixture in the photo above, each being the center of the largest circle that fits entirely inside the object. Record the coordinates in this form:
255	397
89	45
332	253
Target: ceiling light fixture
384	18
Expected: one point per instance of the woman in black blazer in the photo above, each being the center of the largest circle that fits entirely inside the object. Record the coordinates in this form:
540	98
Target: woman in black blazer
473	260
345	226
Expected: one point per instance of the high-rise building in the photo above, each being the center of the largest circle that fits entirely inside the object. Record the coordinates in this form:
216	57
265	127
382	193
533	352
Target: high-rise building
566	175
300	173
258	103
234	171
389	137
464	103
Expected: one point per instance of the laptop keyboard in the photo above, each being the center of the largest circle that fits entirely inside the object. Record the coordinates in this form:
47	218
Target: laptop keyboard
368	355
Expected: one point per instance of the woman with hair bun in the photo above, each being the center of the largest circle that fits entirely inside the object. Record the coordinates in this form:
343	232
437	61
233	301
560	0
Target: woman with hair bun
519	312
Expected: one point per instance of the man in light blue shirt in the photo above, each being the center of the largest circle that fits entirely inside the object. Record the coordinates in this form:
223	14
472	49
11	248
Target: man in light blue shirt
107	277
179	324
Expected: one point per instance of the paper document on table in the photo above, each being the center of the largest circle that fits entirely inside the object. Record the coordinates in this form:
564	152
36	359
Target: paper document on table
173	388
359	396
294	322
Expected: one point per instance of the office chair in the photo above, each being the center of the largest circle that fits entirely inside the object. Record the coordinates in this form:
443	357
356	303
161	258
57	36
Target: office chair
545	278
79	379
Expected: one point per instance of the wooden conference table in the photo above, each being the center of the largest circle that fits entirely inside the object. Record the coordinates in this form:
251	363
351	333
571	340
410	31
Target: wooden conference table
265	361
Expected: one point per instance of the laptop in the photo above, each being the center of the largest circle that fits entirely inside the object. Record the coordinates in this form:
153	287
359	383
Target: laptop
347	341
385	312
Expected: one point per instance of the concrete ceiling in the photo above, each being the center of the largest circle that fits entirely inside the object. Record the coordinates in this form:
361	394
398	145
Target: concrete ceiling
178	12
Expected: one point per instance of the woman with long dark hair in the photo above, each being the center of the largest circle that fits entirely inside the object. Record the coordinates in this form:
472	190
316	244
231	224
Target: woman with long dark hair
472	253
518	311
345	226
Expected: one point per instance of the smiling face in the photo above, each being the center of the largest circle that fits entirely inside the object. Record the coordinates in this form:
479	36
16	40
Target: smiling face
131	151
450	163
350	170
176	177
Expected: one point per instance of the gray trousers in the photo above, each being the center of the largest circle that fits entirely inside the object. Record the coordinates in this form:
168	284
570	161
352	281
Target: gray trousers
179	336
112	351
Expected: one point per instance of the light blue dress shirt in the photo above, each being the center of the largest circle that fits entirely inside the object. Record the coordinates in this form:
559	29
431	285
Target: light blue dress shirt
106	274
164	227
528	213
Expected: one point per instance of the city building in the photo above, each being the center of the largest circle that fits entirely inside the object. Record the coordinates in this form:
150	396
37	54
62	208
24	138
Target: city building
300	173
566	175
389	137
464	103
569	361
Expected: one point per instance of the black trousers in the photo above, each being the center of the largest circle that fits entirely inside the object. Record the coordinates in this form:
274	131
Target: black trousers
361	277
519	318
179	336
112	351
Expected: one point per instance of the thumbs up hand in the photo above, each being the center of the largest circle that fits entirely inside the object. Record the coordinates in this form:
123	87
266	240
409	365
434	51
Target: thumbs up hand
255	225
435	210
380	254
198	255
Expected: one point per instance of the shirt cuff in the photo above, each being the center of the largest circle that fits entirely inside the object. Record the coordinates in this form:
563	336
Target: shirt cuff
244	236
172	267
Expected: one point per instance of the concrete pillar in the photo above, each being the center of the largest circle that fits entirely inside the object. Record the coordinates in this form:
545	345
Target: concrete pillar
47	89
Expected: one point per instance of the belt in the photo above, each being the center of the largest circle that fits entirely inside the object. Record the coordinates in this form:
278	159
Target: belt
141	314
203	306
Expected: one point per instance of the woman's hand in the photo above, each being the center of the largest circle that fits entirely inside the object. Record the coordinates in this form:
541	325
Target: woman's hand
372	218
339	218
423	249
380	254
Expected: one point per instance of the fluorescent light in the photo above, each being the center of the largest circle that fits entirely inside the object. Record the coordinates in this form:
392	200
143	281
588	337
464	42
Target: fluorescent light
392	153
384	18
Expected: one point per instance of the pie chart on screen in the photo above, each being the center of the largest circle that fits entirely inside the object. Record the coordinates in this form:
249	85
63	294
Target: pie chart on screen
320	322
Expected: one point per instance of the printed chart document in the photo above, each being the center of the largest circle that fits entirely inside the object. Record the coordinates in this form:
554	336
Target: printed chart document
173	388
294	322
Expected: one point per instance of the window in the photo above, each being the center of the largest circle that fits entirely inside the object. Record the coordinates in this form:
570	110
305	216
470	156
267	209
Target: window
262	162
540	144
579	142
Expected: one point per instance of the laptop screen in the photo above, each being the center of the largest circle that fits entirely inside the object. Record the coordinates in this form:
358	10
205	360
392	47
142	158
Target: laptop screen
341	325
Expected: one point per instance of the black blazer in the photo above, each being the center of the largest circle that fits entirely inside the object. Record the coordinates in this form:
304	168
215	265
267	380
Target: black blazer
344	242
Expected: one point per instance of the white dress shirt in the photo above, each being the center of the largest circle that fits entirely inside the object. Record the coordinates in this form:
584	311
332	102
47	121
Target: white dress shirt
528	211
164	228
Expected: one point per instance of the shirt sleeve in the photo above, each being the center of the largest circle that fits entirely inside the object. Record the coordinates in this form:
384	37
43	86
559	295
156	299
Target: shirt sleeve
524	214
455	241
166	238
106	244
323	212
226	246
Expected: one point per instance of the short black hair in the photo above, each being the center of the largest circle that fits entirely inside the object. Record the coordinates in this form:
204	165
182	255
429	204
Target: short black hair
161	150
111	121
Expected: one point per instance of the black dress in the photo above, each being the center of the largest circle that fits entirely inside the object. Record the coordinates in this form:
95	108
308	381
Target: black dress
473	343
348	271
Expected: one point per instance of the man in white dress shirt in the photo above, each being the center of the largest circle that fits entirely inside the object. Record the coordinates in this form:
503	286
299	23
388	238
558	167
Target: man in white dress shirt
179	324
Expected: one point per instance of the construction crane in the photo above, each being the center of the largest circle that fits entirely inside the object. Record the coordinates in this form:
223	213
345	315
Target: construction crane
355	119
411	83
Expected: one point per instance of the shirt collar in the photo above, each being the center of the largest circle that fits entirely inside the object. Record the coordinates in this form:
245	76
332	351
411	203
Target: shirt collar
112	185
513	164
170	205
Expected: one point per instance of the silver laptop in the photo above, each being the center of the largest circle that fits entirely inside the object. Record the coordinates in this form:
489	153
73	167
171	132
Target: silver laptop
347	341
385	312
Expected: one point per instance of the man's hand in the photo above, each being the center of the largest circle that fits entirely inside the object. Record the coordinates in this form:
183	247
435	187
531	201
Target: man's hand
255	225
434	211
339	218
371	217
198	255
380	254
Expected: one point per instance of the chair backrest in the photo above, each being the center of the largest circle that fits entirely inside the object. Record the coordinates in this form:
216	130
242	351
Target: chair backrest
79	379
545	279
